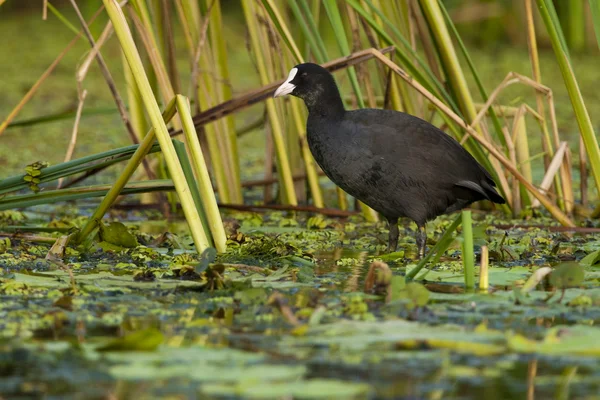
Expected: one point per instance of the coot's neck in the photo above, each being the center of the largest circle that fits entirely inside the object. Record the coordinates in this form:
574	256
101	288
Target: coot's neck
325	103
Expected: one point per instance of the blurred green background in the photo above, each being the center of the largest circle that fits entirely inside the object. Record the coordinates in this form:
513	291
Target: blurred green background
492	29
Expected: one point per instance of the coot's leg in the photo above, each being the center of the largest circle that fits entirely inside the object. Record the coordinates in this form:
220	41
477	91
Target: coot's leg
421	238
393	237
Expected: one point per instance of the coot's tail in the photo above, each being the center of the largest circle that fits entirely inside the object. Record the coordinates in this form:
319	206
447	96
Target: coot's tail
483	188
491	193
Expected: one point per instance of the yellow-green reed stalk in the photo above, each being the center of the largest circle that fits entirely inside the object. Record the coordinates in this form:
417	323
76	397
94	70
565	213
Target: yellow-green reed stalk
484	279
297	145
307	19
157	21
440	247
135	103
80	192
259	48
225	167
547	143
595	11
575	24
122	180
273	64
162	134
143	24
189	16
535	69
207	194
523	156
295	108
546	9
216	132
458	82
401	97
335	18
169	43
223	86
188	171
467	249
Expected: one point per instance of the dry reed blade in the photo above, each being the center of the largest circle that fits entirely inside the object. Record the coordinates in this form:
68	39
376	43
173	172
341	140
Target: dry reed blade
552	170
73	140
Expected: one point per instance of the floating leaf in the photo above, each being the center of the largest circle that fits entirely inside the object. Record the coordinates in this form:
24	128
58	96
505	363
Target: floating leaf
591	259
144	340
116	233
416	293
567	275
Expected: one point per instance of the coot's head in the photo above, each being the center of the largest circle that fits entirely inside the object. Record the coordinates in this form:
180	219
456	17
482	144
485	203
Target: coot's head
313	84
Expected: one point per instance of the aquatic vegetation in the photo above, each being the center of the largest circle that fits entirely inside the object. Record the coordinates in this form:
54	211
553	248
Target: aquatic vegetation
299	316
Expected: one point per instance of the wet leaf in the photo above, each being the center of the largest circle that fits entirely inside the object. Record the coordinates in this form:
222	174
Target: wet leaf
567	275
591	259
144	340
116	233
416	293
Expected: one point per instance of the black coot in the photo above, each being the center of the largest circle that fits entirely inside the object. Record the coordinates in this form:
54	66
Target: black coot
398	164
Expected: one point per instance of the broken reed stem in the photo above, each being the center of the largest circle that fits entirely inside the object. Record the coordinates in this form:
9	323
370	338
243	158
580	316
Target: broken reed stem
91	56
483	269
552	170
207	194
531	374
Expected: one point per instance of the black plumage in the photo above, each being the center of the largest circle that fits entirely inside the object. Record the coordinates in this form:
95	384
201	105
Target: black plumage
396	163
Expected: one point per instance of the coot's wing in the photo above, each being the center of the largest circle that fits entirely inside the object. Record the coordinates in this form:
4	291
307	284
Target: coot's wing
416	152
409	142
